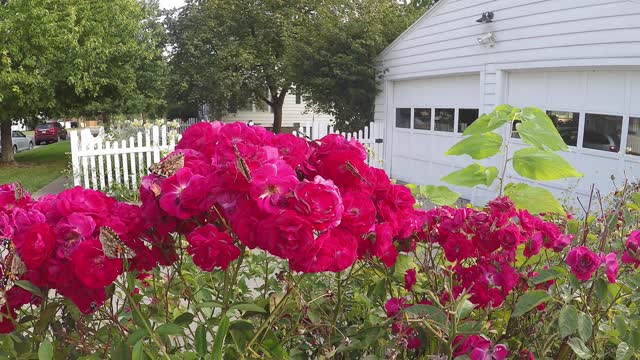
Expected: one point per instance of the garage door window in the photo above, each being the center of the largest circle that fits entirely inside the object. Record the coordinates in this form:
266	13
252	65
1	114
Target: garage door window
444	120
633	140
602	132
422	119
466	117
567	125
403	118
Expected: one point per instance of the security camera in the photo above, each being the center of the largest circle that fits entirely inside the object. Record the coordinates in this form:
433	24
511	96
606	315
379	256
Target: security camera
489	38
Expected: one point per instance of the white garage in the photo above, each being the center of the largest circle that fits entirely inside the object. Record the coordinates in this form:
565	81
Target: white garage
577	60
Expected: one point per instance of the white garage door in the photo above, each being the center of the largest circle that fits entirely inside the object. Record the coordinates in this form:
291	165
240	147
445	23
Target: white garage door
597	113
428	115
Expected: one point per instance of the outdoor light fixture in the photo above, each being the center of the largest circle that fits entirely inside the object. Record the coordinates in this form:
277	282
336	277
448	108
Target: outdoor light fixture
489	38
250	123
487	17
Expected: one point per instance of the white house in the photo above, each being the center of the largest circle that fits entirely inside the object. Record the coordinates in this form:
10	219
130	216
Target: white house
577	59
293	112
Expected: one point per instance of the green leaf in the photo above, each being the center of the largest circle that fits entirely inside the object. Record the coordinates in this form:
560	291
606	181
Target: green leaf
273	347
221	335
439	195
138	351
136	336
29	287
488	122
414	189
209	304
585	326
472	175
184	319
537	164
568	321
536	200
241	332
537	129
464	308
169	329
478	146
430	312
546	275
248	307
579	348
529	301
120	352
624	351
201	340
45	351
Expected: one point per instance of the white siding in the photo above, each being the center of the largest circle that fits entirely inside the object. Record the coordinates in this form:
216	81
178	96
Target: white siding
291	113
556	40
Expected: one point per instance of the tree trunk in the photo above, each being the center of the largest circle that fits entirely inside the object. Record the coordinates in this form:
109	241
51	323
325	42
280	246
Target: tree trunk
277	117
7	143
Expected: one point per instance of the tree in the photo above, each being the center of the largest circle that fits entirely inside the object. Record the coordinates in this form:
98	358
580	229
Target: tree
336	67
226	52
77	57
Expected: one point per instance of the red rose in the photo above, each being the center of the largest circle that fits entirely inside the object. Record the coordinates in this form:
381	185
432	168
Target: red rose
210	247
631	253
334	251
286	235
359	212
383	247
583	262
320	201
35	244
409	279
508	236
92	267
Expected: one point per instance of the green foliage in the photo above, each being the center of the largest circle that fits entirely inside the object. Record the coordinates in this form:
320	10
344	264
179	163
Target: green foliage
529	301
472	175
534	163
537	162
478	146
535	199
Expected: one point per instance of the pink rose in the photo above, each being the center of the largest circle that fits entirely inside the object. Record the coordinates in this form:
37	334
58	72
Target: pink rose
583	262
320	201
210	247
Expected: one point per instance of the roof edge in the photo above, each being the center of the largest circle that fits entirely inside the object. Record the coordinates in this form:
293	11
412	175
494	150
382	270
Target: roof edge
415	23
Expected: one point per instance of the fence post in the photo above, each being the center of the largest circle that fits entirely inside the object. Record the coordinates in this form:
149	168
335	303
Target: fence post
75	158
156	144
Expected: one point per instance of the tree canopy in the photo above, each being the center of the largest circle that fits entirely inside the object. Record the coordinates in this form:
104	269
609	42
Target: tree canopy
74	57
234	52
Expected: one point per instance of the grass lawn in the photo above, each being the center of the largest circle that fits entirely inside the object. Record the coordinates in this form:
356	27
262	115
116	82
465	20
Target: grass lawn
38	167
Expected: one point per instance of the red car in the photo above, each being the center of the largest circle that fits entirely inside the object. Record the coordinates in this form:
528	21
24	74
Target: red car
49	132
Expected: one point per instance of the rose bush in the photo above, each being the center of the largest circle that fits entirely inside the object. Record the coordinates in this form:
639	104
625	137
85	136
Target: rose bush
248	244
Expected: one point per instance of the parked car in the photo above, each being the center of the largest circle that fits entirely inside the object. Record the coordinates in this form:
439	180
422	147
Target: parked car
21	142
592	140
49	132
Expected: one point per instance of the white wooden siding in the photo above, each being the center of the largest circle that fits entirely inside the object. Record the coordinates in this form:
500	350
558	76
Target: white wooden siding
557	44
291	113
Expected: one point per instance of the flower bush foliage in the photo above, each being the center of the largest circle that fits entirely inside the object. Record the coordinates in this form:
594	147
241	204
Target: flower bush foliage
247	244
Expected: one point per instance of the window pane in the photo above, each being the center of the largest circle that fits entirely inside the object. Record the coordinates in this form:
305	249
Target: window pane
403	118
444	120
602	132
466	117
567	125
633	140
422	119
298	99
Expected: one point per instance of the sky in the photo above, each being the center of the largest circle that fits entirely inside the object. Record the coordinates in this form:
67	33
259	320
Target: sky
170	4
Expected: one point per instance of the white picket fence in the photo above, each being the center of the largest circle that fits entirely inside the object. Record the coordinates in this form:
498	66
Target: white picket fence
98	164
371	137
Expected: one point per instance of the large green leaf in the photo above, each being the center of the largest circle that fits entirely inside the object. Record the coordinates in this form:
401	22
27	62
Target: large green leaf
201	340
440	195
568	321
248	307
489	122
218	342
537	129
624	351
478	146
45	351
585	326
472	175
534	199
546	275
138	351
580	348
169	329
529	301
538	164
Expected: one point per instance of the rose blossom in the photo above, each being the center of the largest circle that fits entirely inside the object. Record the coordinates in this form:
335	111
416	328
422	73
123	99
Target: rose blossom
583	262
631	253
320	201
210	247
409	279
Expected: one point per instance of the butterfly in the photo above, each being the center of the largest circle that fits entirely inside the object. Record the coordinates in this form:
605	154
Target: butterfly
169	166
20	191
12	268
112	246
